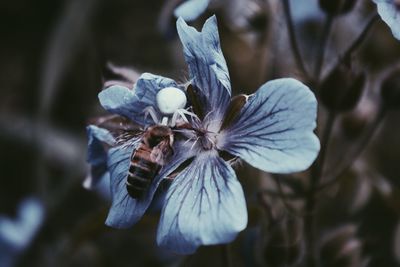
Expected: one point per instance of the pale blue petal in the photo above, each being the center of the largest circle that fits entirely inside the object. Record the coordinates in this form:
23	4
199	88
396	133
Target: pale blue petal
207	66
103	187
390	14
148	86
274	131
191	9
205	205
126	211
97	155
18	233
97	137
131	103
120	100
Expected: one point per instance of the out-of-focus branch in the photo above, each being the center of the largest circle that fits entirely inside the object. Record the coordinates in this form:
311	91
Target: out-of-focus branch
126	76
66	41
68	37
353	154
166	15
357	42
56	145
346	56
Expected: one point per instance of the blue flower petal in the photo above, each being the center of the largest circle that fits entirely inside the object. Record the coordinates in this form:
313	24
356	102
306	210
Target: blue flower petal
148	86
131	103
126	211
390	14
97	155
205	205
274	131
191	9
207	66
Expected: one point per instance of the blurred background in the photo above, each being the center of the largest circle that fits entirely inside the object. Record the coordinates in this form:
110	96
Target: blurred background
54	59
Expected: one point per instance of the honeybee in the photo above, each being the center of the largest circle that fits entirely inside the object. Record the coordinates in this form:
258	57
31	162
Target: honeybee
154	144
154	150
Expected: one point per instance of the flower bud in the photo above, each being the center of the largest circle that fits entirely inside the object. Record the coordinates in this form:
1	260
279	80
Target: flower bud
336	7
259	22
341	90
341	247
390	90
353	124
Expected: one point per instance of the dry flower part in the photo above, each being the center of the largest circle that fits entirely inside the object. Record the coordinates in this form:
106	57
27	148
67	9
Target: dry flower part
341	247
390	90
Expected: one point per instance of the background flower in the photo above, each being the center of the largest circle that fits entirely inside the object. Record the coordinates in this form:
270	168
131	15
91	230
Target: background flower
389	10
190	10
16	234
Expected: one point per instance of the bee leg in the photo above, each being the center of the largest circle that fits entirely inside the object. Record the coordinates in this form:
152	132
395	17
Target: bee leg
153	114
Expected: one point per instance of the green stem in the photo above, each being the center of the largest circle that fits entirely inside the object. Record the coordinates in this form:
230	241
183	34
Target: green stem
316	172
357	42
292	39
322	47
226	256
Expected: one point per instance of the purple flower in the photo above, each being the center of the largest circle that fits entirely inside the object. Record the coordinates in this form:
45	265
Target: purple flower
271	130
389	10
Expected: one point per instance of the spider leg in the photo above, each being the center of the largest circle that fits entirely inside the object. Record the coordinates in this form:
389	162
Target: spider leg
182	115
174	119
153	114
184	111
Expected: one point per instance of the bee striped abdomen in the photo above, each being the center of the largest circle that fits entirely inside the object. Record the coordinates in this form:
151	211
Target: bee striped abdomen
141	173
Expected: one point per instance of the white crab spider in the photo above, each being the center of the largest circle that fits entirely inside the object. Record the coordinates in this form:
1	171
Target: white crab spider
171	102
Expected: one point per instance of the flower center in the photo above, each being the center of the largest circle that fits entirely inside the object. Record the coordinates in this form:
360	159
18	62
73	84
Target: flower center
204	139
207	140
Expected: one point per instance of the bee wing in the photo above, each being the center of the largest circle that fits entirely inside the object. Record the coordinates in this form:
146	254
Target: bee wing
161	153
103	133
115	123
120	127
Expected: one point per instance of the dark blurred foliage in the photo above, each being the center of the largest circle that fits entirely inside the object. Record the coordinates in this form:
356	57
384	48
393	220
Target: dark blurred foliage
343	212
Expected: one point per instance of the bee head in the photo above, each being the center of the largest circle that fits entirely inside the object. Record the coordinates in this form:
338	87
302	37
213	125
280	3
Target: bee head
159	133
